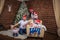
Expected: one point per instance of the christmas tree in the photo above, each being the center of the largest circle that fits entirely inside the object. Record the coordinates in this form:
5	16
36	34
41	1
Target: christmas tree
22	10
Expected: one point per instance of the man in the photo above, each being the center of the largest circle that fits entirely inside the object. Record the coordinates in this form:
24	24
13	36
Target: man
22	23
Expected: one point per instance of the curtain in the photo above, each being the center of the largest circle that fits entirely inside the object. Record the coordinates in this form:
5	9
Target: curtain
1	5
56	6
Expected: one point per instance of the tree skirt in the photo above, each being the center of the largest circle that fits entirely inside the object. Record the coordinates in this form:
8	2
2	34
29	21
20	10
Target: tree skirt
9	33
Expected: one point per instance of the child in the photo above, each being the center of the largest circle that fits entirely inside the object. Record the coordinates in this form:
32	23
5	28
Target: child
22	23
35	27
31	13
38	24
15	31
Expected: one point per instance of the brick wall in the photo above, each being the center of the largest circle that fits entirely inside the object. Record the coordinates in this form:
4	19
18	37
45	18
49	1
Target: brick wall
46	13
6	18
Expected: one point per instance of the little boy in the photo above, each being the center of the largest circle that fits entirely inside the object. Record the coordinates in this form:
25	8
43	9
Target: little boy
22	23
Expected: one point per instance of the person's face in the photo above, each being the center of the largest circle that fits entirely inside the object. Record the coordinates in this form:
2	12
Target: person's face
31	10
24	18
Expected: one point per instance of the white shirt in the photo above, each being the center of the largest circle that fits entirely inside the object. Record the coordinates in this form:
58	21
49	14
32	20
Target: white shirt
15	30
32	16
39	26
22	24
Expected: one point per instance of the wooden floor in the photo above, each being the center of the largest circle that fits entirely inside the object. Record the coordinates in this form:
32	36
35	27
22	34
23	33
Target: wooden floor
48	36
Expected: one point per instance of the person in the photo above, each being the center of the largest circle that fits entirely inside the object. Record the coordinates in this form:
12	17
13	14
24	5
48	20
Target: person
36	18
22	25
31	12
35	27
15	31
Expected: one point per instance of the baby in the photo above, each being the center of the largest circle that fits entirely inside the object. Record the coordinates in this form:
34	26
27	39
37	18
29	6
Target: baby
15	31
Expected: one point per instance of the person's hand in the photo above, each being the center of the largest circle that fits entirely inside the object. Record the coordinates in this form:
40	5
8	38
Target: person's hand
12	26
